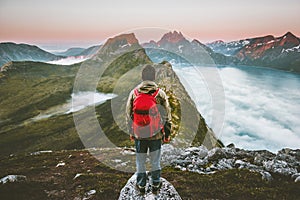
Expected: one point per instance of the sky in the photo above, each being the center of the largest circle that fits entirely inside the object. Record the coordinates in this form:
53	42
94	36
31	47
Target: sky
89	22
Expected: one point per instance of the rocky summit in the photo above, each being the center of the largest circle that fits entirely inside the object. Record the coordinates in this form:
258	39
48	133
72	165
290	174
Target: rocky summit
200	160
130	192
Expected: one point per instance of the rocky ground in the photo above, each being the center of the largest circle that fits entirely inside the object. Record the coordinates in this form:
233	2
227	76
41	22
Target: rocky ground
130	191
195	173
203	161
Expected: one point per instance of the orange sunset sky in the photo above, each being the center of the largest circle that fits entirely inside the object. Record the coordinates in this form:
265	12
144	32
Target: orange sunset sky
89	22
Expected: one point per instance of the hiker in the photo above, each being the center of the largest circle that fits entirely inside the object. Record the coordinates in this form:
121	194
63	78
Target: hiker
149	122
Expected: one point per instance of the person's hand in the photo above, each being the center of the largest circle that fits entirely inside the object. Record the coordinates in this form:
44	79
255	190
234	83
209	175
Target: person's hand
167	139
132	138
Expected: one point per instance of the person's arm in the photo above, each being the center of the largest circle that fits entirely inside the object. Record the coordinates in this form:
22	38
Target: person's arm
129	113
166	114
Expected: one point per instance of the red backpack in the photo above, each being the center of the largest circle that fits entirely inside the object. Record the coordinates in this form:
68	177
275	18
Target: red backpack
146	117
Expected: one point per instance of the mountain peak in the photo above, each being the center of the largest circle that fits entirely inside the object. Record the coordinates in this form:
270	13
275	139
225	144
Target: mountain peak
217	42
119	43
289	40
171	37
289	34
195	41
128	38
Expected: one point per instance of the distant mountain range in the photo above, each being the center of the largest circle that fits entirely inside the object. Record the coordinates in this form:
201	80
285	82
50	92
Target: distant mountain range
77	51
281	52
287	41
70	52
23	52
268	51
173	46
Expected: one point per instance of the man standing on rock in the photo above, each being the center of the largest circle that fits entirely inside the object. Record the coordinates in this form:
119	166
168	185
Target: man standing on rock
149	121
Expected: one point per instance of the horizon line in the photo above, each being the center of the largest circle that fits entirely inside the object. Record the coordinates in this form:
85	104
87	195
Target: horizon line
89	43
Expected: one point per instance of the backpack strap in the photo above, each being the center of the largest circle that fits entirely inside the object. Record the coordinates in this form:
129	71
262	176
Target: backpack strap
155	93
136	92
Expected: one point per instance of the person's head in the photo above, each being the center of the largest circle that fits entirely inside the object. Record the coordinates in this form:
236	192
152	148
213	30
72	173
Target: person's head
148	73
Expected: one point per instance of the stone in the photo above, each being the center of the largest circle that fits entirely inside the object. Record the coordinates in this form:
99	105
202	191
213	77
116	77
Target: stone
225	164
77	176
60	164
56	194
239	164
216	154
294	176
130	192
12	178
41	152
231	145
200	160
203	151
266	176
89	194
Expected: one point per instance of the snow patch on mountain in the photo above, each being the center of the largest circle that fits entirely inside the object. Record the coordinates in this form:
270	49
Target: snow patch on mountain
227	48
293	49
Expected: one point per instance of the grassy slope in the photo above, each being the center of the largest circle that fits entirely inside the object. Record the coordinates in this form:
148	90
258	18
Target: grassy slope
46	181
28	88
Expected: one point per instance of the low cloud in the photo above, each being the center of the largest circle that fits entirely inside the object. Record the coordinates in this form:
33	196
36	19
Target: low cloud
69	60
261	110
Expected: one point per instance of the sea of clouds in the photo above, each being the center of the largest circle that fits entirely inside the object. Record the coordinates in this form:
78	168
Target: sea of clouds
261	105
69	60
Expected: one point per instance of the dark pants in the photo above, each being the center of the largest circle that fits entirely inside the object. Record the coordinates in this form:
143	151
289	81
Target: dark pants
142	147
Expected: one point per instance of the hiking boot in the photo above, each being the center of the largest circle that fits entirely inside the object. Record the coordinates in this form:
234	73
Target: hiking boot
156	187
141	188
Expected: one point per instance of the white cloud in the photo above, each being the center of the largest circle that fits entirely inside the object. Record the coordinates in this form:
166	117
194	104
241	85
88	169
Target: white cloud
78	102
69	60
84	99
262	106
